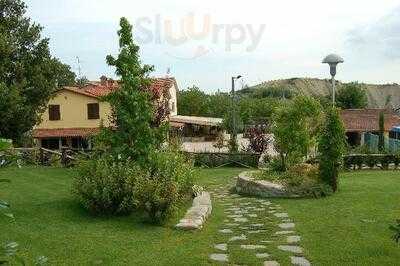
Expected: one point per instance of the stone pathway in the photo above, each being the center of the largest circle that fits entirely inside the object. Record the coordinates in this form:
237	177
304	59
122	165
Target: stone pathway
254	232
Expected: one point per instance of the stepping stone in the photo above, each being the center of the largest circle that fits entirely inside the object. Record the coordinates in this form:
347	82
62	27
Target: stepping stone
244	228
241	220
267	241
252	215
271	212
231	224
287	221
286	225
294	249
284	232
293	239
256	231
226	231
223	247
253	246
233	209
300	261
237	238
281	215
235	216
262	255
257	225
259	209
219	257
271	263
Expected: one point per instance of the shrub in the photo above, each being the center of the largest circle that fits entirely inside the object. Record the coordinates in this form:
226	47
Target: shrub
276	165
385	161
396	230
371	161
348	162
331	147
396	160
106	186
169	181
358	160
306	183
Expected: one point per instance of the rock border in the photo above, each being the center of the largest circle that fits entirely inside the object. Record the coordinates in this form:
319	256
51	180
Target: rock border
247	185
196	216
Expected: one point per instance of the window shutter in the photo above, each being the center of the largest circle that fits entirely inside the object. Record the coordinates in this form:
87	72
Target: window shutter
54	112
93	111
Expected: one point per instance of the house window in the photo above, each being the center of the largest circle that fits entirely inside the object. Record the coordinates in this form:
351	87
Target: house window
54	112
93	111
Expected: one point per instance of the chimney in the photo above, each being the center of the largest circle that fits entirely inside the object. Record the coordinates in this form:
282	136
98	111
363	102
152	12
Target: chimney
103	80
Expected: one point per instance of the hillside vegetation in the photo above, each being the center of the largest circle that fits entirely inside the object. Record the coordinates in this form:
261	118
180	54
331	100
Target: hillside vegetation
379	96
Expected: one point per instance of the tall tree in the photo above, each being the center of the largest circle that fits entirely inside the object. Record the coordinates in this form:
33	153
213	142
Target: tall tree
133	113
193	102
352	96
295	127
28	72
331	146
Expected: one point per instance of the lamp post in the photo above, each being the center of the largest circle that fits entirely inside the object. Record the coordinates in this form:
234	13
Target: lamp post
233	138
333	60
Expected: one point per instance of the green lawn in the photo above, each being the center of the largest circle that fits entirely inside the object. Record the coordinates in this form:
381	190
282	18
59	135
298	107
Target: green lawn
349	228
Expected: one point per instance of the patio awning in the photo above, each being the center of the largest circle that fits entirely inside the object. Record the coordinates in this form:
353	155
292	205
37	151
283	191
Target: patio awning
64	132
396	129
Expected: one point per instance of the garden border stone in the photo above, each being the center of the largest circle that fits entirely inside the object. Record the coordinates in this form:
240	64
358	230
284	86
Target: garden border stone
196	216
247	185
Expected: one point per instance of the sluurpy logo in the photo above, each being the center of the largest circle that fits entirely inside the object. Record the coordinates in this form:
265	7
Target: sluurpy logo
188	38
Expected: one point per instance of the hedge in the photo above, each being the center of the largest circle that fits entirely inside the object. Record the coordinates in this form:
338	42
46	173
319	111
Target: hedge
358	161
225	159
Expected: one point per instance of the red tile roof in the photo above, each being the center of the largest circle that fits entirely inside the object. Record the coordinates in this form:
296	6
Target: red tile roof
367	120
98	89
64	132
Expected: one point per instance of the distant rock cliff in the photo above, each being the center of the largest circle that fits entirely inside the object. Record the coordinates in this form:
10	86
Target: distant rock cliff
378	95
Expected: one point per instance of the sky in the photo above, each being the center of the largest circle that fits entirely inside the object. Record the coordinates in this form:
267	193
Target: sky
205	43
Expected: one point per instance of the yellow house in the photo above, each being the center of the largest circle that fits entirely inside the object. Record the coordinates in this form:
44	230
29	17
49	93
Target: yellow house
74	113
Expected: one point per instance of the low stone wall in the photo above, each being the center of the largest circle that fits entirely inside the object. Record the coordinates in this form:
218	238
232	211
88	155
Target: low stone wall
247	185
196	216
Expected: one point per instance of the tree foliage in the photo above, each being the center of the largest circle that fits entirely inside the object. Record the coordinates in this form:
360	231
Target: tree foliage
381	144
352	96
295	127
331	146
28	72
133	113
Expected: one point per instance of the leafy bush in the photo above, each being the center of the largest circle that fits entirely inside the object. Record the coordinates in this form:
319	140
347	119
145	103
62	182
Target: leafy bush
396	230
276	165
106	185
331	147
371	161
385	160
348	162
169	181
358	160
218	159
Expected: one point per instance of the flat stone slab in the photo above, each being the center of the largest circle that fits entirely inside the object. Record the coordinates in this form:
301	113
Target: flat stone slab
284	232
262	255
240	220
281	215
247	185
226	231
219	257
196	216
271	263
293	249
286	225
257	231
252	247
238	238
223	247
257	225
300	261
252	215
293	239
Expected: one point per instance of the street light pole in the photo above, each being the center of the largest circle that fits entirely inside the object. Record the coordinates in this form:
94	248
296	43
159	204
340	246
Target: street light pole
233	138
333	60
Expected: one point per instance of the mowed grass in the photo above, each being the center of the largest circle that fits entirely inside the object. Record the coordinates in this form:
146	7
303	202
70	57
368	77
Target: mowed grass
50	222
349	228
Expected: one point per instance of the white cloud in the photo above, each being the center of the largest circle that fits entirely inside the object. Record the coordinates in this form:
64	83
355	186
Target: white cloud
297	35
